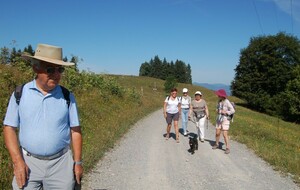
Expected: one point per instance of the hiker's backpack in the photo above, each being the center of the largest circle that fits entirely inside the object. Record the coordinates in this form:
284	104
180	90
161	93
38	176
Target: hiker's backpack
230	117
189	99
19	89
178	98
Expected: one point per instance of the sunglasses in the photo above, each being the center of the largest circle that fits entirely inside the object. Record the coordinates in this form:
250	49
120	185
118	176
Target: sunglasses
52	70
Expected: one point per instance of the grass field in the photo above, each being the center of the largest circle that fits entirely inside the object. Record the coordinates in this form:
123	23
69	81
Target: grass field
105	118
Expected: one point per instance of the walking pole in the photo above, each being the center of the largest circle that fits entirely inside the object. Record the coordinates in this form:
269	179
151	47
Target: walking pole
206	123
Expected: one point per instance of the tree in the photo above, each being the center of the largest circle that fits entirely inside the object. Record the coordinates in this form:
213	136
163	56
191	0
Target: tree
289	101
180	71
29	50
4	55
264	70
162	69
189	74
65	59
145	69
170	83
75	59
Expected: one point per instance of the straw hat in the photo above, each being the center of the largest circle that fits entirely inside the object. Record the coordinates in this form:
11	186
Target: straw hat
48	53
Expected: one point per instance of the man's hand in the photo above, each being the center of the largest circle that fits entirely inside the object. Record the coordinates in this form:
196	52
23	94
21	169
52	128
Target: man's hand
21	173
12	144
78	171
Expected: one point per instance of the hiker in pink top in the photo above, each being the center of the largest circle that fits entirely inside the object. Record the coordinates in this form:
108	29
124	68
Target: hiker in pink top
224	109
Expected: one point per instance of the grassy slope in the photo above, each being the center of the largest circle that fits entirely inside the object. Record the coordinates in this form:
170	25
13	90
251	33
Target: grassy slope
106	119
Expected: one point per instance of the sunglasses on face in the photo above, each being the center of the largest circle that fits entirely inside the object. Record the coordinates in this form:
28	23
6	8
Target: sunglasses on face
52	70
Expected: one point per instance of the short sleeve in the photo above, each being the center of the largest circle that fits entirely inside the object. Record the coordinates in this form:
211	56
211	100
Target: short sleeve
73	112
12	113
166	100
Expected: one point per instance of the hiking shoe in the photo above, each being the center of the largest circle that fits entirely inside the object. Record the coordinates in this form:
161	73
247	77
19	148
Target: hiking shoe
202	140
227	151
185	133
215	146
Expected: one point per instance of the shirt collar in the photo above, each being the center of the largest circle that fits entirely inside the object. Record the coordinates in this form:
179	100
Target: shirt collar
33	86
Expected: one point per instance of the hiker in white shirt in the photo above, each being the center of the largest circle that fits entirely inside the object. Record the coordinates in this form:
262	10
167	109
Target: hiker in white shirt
172	111
185	110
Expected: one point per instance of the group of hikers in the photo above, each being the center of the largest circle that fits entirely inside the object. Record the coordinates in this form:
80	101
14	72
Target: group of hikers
197	111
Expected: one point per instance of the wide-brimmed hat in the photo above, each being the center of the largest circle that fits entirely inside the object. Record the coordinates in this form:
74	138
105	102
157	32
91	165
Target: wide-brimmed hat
221	93
198	93
185	90
48	53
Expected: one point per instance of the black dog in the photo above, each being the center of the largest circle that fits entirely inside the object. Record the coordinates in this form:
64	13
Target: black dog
193	144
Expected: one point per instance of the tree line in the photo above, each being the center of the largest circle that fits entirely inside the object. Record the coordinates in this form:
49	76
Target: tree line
268	75
162	69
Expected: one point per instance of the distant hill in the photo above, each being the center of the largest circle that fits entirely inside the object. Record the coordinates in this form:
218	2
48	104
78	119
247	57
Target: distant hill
214	86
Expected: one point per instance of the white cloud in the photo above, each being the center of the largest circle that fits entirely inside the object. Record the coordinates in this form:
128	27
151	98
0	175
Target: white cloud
285	6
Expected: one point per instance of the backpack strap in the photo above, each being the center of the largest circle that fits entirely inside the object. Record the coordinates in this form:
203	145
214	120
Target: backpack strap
18	93
178	98
66	94
19	89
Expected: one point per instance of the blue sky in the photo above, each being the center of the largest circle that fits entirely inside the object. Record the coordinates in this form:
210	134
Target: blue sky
117	36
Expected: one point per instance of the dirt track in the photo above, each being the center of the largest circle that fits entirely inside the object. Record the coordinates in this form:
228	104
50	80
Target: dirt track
144	160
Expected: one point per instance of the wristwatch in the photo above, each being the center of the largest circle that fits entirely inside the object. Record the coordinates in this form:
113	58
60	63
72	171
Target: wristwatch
78	162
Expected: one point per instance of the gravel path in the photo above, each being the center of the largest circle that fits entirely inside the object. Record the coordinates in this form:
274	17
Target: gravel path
144	160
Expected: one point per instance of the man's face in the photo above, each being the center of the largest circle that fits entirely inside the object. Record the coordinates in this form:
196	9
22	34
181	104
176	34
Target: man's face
49	74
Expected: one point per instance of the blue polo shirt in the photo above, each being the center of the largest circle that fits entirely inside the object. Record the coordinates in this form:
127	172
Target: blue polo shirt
44	121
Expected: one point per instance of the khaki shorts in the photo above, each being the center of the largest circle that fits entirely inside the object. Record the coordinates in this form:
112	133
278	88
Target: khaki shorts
172	116
224	126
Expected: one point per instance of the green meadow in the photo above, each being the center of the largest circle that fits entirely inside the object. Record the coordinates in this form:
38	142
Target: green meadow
109	105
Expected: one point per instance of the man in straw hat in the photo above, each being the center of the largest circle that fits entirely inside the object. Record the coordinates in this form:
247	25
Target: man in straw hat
48	124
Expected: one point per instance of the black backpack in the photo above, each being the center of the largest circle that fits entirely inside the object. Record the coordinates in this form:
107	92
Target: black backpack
19	89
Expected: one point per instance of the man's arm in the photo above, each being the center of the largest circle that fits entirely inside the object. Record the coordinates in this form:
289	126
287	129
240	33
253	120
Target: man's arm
20	167
77	152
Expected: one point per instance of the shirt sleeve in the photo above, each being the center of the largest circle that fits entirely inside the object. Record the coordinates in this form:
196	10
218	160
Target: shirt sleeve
12	113
231	109
73	112
166	100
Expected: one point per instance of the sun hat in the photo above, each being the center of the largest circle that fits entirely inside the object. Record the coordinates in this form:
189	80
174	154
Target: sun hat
221	93
48	53
198	93
184	90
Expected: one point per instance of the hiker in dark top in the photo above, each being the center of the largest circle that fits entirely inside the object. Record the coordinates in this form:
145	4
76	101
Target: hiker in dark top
172	111
41	155
224	109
